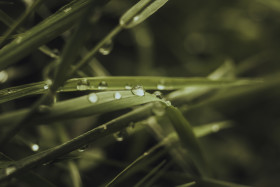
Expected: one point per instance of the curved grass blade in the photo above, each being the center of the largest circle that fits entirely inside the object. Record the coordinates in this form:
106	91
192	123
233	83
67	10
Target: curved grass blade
140	11
45	31
120	83
91	104
187	138
108	128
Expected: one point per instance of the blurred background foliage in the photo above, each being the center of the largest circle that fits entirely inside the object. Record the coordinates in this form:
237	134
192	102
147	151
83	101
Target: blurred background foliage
183	39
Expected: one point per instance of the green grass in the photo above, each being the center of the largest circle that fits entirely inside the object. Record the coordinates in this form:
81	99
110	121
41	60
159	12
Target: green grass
141	93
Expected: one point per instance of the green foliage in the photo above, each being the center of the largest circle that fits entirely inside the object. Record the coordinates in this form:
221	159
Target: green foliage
142	93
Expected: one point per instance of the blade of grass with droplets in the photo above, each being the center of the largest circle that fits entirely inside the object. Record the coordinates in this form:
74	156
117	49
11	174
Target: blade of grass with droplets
121	83
108	128
94	103
187	138
45	31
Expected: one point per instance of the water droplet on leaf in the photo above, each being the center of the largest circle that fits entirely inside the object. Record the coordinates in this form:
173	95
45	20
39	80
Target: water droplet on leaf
83	84
3	76
106	48
120	136
117	95
35	147
93	98
138	90
82	149
102	85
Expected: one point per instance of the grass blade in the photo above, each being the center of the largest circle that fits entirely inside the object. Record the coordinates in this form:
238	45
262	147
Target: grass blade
108	128
187	138
45	31
83	106
120	83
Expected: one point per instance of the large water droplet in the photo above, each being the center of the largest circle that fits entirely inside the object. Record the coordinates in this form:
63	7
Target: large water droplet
117	95
93	98
35	147
9	170
102	85
83	84
46	86
138	90
106	48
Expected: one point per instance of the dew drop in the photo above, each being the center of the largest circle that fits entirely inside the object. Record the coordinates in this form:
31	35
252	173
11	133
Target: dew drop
106	48
136	18
102	85
83	85
46	86
9	170
146	154
117	95
138	90
160	87
128	87
120	136
35	147
93	98
67	9
10	91
82	149
215	128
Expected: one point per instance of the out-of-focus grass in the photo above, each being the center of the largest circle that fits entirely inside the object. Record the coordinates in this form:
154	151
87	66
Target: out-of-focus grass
213	120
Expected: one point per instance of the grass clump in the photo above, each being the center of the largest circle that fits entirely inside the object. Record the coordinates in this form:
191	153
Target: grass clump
142	93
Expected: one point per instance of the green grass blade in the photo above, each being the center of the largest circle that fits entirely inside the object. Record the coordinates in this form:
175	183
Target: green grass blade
187	138
45	31
206	129
140	12
121	83
21	20
71	50
82	106
108	128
